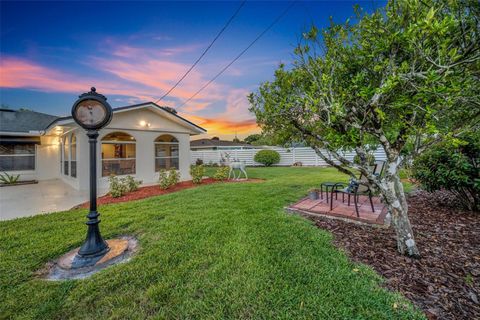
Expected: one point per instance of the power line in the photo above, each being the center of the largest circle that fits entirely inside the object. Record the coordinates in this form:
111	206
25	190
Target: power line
241	53
204	52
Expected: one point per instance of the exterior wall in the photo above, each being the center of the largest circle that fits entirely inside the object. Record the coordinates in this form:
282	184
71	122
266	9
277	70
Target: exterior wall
48	158
145	156
47	161
49	152
129	122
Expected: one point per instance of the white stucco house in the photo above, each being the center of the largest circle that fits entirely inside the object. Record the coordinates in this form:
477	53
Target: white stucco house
140	140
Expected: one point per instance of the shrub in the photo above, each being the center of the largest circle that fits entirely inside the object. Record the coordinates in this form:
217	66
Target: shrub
452	166
199	162
173	176
117	188
197	173
163	180
168	178
267	157
130	183
221	173
6	178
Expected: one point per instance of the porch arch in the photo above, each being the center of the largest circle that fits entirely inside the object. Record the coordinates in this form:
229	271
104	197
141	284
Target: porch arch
118	154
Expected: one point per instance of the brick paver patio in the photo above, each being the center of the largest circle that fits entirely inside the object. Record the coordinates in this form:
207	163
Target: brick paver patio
342	210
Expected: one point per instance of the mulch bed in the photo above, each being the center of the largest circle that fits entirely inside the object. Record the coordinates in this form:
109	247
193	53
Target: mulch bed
445	282
155	190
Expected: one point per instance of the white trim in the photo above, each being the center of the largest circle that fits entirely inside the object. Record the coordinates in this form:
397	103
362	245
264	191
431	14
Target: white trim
118	142
26	134
111	159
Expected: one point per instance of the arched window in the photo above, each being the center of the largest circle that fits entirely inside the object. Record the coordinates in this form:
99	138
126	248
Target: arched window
65	155
118	154
73	156
166	152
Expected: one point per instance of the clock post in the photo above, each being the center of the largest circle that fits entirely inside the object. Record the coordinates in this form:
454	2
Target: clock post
92	112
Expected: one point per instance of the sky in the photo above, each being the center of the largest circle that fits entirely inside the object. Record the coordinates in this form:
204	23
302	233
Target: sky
134	52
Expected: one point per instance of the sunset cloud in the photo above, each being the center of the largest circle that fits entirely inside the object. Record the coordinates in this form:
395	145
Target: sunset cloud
223	126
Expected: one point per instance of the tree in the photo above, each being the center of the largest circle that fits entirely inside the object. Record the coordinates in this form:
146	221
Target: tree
401	78
253	138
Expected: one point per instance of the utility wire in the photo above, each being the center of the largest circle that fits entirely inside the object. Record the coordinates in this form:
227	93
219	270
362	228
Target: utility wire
204	52
241	53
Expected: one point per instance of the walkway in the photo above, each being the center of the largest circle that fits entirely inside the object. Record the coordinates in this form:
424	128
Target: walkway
32	199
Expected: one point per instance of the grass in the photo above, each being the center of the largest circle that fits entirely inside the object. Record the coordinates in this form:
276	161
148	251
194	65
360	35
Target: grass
222	251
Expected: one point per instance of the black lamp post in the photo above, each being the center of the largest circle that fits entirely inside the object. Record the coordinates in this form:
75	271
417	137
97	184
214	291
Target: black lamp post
92	112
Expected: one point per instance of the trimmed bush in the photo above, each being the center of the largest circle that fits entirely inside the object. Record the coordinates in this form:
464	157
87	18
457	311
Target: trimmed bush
452	166
130	183
267	157
117	188
173	176
221	173
168	178
120	186
197	172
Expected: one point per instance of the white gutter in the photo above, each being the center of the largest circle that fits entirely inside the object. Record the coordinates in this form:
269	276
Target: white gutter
31	133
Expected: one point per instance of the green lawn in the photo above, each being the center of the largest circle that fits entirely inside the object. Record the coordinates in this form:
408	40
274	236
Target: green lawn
223	251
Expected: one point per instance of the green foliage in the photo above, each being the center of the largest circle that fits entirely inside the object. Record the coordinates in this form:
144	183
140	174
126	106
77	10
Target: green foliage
117	187
199	162
370	159
6	178
253	138
120	186
399	78
130	183
454	167
267	157
197	172
221	173
168	178
173	176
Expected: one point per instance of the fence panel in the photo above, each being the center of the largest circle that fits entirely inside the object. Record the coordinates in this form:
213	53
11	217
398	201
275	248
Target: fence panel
288	156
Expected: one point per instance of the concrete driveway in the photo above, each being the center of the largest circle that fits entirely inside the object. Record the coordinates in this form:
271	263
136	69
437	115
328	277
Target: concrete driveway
32	199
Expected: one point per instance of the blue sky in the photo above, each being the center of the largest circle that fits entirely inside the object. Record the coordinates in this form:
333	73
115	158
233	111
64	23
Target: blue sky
135	51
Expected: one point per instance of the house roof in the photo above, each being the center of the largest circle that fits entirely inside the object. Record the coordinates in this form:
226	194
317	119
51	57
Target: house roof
205	143
168	110
24	121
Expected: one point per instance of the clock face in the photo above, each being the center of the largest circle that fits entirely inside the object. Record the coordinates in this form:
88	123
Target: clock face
90	112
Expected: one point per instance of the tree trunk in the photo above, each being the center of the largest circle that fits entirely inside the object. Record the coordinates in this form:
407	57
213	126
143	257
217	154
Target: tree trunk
394	197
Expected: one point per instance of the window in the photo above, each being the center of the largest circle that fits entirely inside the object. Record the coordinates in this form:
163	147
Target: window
65	155
118	154
166	152
15	156
73	156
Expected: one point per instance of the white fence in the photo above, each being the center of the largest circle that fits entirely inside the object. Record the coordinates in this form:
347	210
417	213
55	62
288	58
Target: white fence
288	157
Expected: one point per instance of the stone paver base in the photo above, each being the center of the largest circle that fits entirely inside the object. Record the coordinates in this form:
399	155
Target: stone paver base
121	250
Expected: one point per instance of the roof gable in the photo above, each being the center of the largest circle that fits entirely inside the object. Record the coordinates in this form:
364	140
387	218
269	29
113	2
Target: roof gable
165	112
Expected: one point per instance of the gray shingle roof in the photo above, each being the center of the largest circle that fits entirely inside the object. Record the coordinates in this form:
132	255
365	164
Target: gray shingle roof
215	143
24	120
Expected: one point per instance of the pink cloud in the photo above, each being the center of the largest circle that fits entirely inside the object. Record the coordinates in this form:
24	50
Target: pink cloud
139	81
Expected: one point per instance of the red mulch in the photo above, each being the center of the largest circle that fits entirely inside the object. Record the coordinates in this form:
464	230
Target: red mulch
155	190
445	282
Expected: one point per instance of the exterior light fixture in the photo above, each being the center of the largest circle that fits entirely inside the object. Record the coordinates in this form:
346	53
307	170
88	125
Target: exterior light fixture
144	123
92	112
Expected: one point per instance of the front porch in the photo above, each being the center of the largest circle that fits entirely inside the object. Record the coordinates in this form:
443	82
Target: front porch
342	211
43	197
